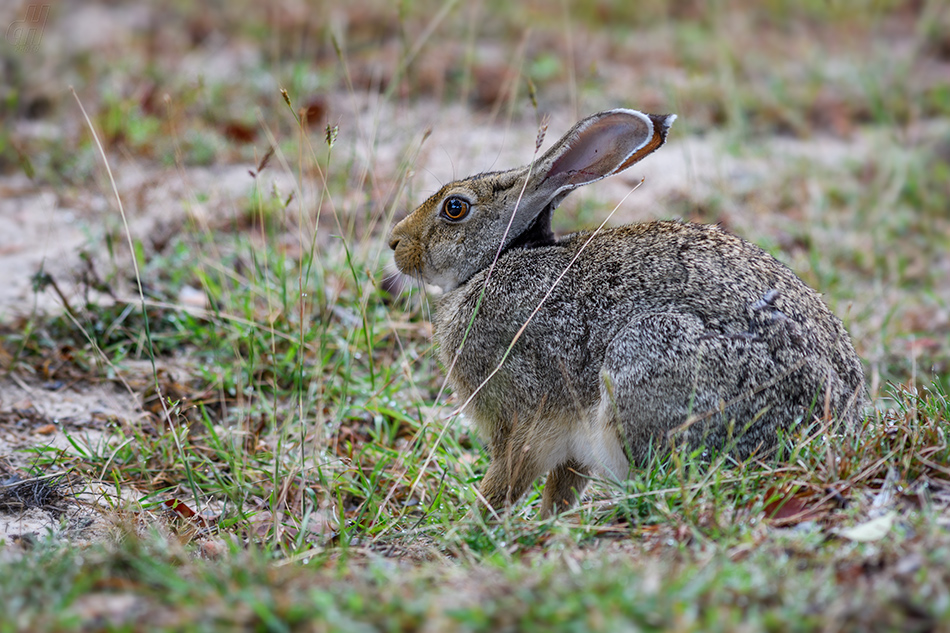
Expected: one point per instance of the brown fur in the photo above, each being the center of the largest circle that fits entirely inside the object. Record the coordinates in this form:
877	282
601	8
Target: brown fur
658	334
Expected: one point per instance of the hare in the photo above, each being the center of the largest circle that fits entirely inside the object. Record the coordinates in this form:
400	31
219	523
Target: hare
588	353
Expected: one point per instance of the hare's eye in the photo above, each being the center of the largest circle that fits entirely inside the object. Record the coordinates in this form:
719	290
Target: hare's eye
455	208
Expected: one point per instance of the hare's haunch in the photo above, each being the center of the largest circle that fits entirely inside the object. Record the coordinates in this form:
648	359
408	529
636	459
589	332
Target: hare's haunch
625	341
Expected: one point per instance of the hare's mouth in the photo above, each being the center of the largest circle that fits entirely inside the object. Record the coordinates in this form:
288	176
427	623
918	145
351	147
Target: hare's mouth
407	256
414	262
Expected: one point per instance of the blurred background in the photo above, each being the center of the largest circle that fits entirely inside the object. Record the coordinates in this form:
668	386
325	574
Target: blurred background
818	129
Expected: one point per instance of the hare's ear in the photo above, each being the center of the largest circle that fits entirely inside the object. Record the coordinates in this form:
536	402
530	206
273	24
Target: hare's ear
599	146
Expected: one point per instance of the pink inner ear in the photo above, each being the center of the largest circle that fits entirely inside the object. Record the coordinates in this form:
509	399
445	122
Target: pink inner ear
601	148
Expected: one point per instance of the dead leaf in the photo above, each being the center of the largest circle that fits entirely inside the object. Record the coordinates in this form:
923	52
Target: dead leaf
869	531
314	113
788	508
182	510
240	132
323	523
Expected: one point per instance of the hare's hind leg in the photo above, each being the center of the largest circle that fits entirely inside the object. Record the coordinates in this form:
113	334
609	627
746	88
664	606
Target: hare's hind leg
665	370
506	480
520	454
563	487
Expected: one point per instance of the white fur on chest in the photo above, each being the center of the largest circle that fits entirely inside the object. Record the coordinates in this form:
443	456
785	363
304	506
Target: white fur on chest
588	441
598	446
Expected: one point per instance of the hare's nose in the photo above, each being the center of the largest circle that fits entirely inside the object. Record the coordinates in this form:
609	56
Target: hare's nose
393	242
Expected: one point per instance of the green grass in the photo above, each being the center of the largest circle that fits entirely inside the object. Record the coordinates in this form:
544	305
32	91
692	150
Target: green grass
679	548
792	584
297	466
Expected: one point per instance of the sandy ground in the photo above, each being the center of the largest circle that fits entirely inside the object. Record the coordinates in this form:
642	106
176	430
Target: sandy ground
35	420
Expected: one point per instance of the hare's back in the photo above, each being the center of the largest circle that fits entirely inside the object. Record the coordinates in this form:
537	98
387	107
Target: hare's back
681	267
589	285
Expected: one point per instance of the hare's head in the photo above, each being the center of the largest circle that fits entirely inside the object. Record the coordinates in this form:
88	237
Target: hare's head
462	228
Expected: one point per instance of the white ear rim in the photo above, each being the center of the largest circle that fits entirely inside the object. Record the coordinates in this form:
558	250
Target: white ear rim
657	130
665	122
